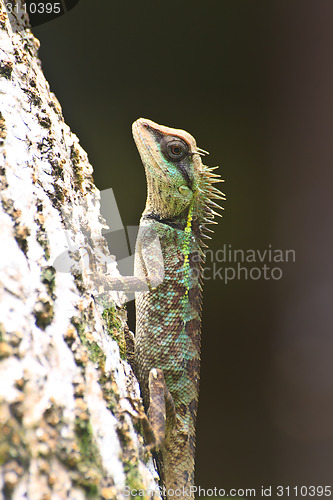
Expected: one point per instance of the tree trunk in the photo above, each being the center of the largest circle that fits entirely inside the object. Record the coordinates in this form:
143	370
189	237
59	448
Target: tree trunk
67	400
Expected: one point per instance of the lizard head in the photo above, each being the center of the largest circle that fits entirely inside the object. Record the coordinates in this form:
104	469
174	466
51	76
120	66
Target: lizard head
176	176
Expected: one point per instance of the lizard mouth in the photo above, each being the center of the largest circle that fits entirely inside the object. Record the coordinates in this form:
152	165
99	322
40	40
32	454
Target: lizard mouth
145	133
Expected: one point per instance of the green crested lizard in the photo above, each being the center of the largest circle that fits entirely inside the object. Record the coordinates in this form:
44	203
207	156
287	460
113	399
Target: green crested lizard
180	203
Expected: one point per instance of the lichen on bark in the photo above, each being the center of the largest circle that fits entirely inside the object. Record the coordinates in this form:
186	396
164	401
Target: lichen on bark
66	429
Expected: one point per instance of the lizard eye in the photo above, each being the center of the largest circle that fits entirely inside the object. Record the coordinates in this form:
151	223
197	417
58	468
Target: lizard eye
173	148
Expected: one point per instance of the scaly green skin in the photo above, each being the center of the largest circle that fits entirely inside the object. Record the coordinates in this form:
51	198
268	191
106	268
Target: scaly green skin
167	341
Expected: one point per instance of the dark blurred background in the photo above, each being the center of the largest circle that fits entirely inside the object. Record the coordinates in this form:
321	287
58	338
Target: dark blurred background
252	81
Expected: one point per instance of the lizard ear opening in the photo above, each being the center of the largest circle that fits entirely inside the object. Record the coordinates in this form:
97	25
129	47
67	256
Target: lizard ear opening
184	191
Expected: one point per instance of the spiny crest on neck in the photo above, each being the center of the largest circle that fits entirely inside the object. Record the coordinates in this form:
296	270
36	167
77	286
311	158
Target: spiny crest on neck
206	206
177	180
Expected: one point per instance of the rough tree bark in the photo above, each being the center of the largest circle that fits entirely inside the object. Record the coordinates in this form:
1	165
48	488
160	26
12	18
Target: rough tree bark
66	397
